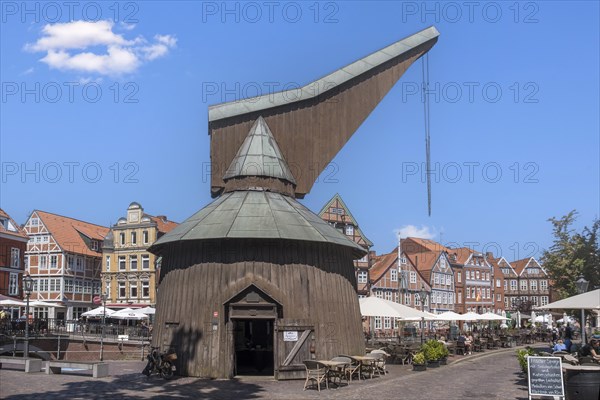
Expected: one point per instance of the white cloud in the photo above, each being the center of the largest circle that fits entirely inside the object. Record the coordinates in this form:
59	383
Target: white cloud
28	71
424	232
72	46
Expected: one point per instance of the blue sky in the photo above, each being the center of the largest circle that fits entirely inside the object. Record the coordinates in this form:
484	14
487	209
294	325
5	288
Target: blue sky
106	103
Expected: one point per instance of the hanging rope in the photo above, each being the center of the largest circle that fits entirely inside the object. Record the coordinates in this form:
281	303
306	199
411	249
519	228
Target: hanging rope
425	70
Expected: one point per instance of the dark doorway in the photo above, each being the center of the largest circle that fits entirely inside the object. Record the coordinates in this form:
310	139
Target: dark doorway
253	339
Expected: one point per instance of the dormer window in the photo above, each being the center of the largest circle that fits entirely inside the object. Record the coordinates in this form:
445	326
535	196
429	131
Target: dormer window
349	230
94	245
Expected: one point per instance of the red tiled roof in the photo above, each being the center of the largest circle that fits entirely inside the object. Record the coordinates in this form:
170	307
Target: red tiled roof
520	265
18	232
417	245
67	232
382	264
425	261
462	254
163	224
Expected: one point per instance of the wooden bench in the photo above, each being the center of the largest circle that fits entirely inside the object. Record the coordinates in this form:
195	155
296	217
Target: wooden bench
99	369
31	364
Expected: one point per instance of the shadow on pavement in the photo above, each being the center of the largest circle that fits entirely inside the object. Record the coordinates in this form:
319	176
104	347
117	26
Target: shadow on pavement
136	386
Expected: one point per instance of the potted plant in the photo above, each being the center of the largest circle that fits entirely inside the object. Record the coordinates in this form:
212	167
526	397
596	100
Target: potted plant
432	353
444	354
419	362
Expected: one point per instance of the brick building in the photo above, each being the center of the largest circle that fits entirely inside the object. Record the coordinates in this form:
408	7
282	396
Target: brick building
13	244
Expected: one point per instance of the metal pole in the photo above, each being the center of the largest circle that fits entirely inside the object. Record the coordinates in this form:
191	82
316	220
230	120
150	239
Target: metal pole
582	327
26	353
103	324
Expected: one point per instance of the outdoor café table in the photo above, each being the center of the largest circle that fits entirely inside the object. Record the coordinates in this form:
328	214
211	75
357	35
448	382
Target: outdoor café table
333	367
368	362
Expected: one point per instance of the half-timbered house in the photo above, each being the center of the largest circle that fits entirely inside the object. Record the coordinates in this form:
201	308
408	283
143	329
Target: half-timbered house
476	276
63	257
338	215
533	283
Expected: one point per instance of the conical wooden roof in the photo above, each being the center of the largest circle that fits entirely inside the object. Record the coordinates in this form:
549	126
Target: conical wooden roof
256	214
259	155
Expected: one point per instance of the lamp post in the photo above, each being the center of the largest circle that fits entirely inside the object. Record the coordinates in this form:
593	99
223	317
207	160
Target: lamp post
582	286
27	288
422	297
103	297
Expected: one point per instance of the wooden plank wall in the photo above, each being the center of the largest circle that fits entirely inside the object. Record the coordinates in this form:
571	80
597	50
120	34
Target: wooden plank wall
310	133
312	282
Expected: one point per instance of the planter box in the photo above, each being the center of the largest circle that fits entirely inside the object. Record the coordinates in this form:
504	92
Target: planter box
443	361
433	364
419	367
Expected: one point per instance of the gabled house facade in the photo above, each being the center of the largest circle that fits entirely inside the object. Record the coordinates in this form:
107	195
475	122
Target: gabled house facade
533	282
396	279
511	284
474	275
63	257
129	270
431	260
338	215
13	244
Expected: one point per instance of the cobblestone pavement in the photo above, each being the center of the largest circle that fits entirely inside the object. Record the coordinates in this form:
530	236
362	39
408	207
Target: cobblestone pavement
489	375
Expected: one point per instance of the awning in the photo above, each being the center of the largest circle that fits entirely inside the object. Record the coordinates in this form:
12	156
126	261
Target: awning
585	301
376	307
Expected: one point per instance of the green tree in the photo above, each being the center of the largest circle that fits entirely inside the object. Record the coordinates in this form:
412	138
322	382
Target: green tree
572	254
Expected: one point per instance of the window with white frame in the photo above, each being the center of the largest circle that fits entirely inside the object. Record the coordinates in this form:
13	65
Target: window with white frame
377	322
13	284
133	237
523	284
417	299
499	297
108	263
43	261
413	277
505	284
145	289
534	300
448	280
407	298
122	238
78	264
87	287
394	275
362	276
468	293
349	230
387	323
26	261
498	283
94	245
379	294
459	277
53	261
122	263
487	293
533	284
78	286
436	278
544	300
444	298
34	222
513	284
477	274
459	297
133	292
543	285
450	298
505	302
15	257
473	293
133	261
396	297
388	295
145	237
68	285
122	290
54	284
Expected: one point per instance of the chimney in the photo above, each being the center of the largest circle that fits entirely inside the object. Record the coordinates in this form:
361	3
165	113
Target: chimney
489	254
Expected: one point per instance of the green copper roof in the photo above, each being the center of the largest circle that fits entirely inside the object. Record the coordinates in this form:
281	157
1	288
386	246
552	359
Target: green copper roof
259	155
257	214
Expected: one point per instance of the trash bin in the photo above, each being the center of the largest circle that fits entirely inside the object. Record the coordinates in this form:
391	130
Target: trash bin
582	382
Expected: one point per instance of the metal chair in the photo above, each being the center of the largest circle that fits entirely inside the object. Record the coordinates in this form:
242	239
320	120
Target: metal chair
317	372
341	372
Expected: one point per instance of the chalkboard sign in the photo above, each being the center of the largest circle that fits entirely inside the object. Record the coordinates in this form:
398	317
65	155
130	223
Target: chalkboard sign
545	376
